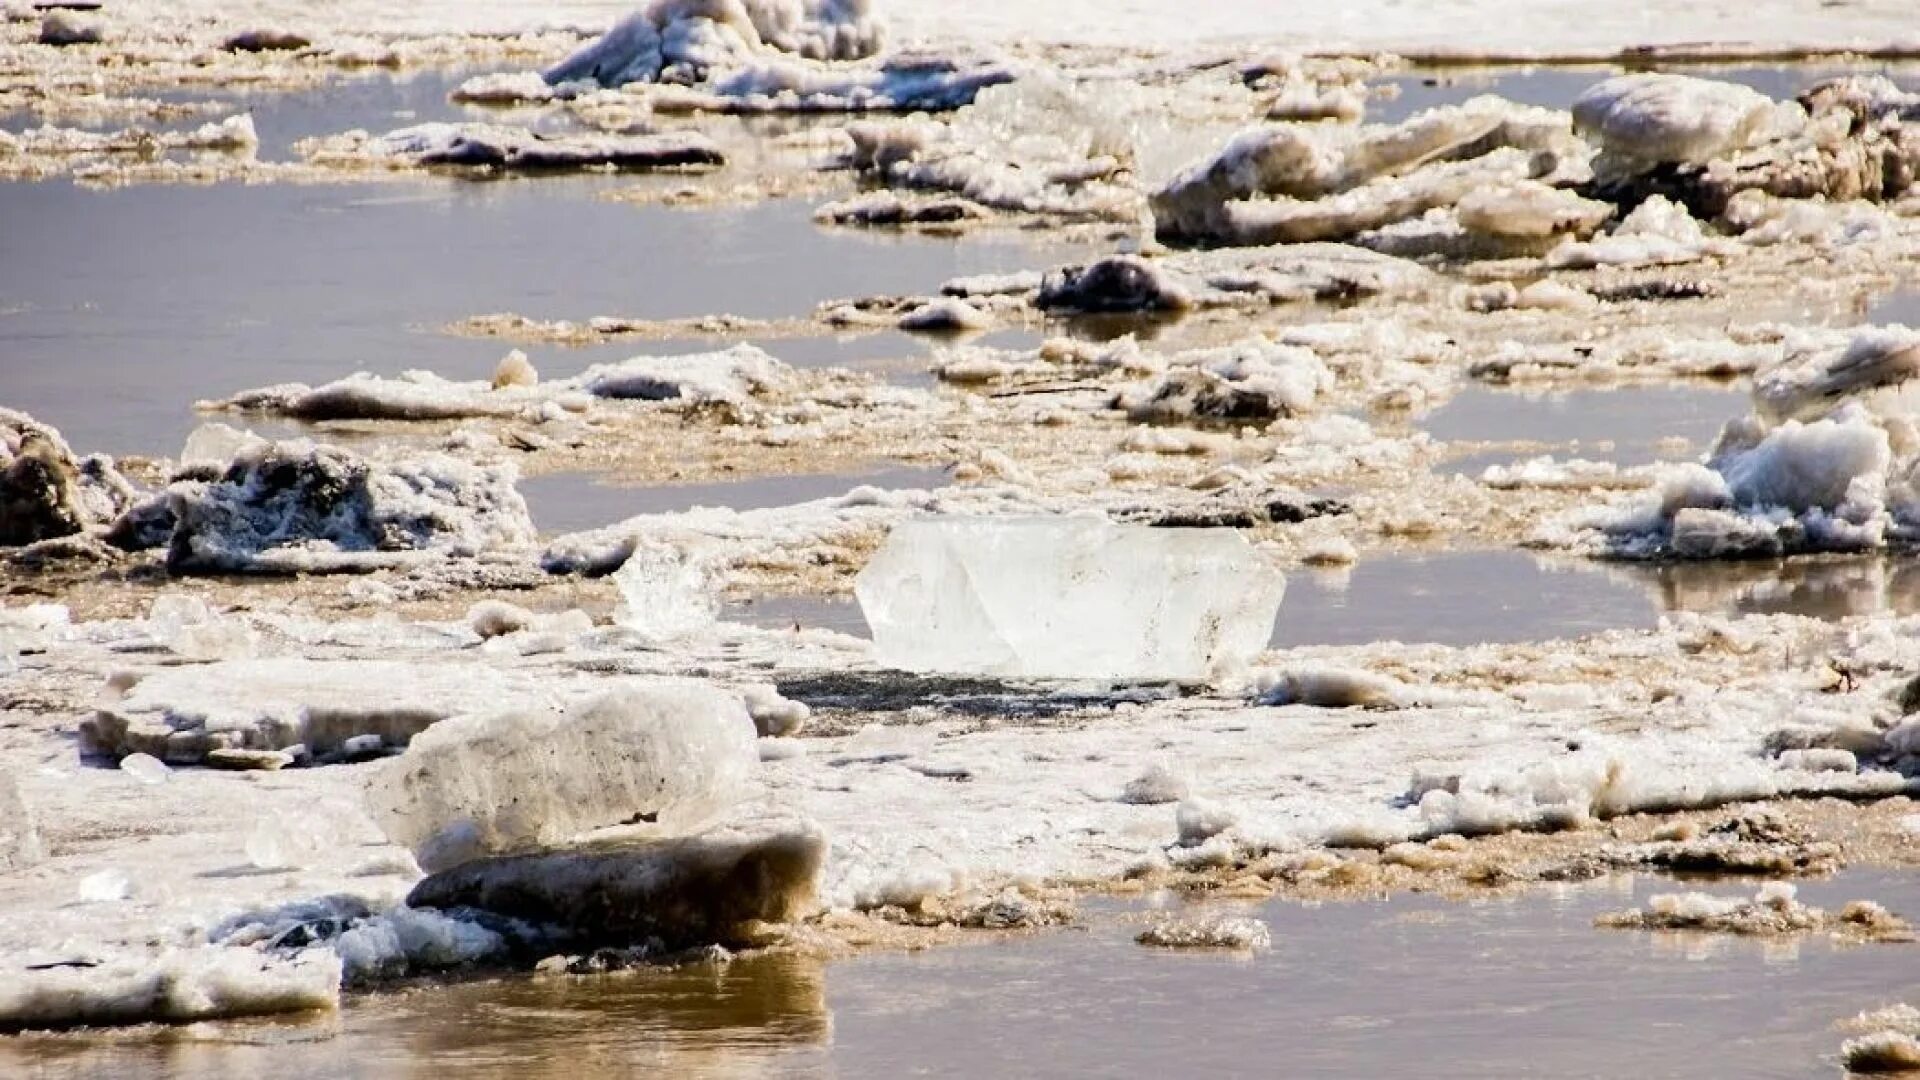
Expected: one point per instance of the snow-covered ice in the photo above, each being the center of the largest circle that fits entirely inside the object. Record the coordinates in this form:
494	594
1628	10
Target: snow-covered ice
297	507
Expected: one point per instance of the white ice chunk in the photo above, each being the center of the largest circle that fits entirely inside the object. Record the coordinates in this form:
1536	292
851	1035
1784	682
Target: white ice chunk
664	755
666	592
1067	598
105	887
1650	118
217	444
188	626
146	768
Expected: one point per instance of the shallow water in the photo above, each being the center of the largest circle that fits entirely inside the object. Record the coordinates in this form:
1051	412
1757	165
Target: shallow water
1631	425
119	309
1461	598
1458	598
570	502
1515	987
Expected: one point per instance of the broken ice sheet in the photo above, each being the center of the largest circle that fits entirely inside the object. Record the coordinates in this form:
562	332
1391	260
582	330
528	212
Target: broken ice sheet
1071	598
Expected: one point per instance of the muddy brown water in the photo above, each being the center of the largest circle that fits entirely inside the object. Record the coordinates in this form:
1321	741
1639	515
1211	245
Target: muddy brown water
1410	986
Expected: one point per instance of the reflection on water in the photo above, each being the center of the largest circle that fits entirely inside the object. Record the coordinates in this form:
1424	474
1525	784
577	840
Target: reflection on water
1626	425
758	1015
569	502
1458	598
1819	588
1412	986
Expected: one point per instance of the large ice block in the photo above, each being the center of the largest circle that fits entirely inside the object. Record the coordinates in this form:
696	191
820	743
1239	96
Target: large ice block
661	758
1067	598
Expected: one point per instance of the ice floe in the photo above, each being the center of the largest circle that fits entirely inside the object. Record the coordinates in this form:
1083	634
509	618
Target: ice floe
1070	598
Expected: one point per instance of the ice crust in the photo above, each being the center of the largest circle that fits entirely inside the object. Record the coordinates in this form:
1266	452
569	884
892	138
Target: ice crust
180	985
660	759
517	150
182	715
1067	598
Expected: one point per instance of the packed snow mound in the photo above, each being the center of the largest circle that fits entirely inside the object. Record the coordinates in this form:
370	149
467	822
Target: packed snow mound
508	149
1289	183
748	56
733	375
45	491
1658	232
298	507
1655	118
412	396
182	715
681	891
1074	598
1253	380
175	986
1705	143
659	758
683	41
1825	463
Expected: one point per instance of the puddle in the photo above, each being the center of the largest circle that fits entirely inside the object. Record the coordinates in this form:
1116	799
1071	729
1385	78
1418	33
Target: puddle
123	307
570	502
1558	87
1626	426
1413	985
